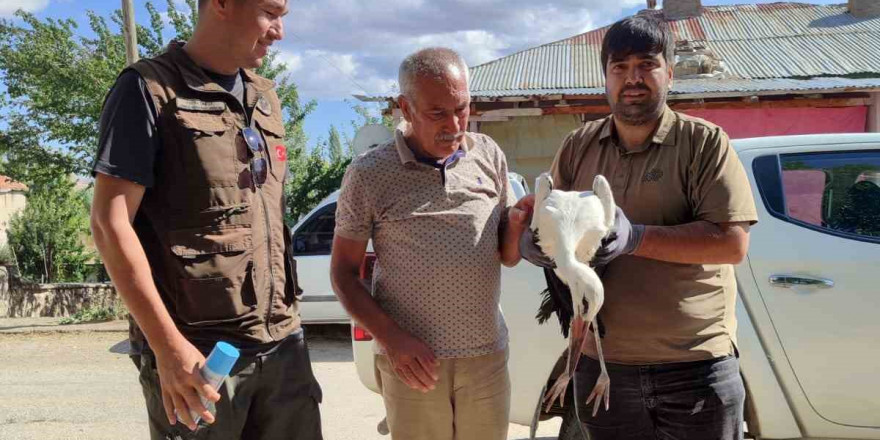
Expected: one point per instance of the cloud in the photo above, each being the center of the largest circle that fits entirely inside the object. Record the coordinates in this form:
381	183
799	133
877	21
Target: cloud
8	7
291	60
342	47
321	74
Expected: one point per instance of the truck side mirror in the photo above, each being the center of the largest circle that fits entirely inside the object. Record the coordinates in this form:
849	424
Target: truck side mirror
299	244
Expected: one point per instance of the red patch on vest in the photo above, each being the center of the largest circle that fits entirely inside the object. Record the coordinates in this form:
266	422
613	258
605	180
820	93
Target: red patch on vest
281	153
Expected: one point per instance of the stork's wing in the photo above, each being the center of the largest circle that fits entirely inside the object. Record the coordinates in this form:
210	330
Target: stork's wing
589	222
543	186
557	299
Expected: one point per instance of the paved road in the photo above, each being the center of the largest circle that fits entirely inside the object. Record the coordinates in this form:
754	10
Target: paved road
81	385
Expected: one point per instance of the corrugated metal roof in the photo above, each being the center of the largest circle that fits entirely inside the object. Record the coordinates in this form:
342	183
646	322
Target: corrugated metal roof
770	42
709	87
705	88
728	86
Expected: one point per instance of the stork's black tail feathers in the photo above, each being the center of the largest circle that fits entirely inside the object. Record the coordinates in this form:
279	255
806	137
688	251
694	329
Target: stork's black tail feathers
557	299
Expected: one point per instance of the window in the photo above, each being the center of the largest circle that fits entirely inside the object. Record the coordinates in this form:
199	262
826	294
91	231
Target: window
315	237
837	191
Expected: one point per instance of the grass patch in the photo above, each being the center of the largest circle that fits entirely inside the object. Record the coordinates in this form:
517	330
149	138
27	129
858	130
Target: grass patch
91	314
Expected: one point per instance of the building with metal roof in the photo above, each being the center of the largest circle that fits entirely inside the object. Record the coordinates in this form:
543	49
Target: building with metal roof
753	69
781	46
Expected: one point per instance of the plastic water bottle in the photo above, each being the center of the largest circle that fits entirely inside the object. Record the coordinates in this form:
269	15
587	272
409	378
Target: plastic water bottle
216	370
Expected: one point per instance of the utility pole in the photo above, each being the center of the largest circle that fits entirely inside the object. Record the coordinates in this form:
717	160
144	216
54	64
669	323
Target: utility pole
129	30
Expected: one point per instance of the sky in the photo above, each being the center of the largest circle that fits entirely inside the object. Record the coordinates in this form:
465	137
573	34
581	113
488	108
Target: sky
338	48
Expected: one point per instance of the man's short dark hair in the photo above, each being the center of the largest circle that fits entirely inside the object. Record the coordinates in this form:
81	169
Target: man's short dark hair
202	3
639	34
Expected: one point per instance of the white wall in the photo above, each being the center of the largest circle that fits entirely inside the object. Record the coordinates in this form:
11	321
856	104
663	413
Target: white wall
11	202
530	143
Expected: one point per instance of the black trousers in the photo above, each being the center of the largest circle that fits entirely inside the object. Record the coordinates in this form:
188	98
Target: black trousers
691	400
266	397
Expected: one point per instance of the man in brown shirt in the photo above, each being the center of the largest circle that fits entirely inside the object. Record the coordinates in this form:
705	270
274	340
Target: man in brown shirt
684	211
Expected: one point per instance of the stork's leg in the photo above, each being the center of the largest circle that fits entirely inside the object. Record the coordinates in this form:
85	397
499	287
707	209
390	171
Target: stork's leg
577	339
602	390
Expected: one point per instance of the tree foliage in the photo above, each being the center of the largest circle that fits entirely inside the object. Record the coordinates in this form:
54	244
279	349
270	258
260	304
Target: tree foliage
48	236
57	76
56	80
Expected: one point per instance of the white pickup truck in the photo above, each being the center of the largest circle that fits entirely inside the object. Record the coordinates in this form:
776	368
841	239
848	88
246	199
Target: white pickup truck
809	295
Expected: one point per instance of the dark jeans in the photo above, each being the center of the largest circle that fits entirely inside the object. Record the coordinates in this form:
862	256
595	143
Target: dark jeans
274	396
691	400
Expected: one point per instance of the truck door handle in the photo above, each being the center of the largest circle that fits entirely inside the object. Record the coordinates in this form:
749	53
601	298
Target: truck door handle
789	281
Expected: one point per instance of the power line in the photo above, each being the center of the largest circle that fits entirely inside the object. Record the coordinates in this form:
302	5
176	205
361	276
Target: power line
320	54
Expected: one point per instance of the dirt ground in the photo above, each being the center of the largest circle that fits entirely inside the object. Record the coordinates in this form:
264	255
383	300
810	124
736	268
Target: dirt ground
82	385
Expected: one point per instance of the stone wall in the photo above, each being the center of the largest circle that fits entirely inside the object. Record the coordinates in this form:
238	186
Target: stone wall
53	300
4	290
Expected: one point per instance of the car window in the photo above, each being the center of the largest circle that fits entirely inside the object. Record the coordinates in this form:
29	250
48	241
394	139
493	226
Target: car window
315	236
835	191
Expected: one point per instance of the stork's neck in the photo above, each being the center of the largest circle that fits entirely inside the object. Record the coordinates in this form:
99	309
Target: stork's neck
566	259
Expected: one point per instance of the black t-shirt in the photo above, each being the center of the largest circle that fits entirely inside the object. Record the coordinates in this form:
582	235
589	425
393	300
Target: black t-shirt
231	83
128	140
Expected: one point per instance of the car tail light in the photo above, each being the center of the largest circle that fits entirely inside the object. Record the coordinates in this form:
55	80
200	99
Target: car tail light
366	272
360	334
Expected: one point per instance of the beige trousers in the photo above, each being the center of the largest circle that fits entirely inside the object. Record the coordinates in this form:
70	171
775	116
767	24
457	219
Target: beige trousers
470	402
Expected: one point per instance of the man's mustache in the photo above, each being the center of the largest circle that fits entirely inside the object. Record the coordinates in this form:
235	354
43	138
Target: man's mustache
450	137
636	88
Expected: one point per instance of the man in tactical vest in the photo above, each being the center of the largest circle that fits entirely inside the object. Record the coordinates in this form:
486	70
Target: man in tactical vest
188	217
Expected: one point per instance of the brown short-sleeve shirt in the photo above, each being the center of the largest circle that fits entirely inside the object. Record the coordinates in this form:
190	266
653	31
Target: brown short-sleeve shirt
655	311
435	231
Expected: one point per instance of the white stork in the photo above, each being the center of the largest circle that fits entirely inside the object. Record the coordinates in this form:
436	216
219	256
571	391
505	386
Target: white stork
569	227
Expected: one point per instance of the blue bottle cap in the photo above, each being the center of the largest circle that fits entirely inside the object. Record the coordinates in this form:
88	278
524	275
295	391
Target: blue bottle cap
222	358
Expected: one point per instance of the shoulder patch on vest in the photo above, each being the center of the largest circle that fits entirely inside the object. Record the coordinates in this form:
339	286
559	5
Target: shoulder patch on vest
264	106
200	106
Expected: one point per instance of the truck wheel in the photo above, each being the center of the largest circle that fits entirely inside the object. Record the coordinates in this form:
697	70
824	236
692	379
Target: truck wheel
569	429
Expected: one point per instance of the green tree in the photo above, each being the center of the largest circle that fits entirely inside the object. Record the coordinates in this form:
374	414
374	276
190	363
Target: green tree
334	146
367	118
56	81
316	174
47	236
23	160
6	256
313	175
